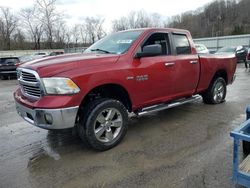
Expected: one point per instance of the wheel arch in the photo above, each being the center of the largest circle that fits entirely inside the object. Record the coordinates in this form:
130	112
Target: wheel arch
109	90
220	73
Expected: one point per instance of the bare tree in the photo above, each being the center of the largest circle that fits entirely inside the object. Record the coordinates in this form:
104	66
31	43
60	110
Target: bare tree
121	24
76	34
33	26
60	34
8	26
1	34
156	20
84	33
137	19
49	17
68	38
18	40
100	33
42	25
93	26
143	19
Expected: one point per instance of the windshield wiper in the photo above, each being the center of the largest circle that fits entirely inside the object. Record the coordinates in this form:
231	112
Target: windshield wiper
100	50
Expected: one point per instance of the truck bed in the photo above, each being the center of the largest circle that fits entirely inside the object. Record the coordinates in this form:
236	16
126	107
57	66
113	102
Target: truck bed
211	63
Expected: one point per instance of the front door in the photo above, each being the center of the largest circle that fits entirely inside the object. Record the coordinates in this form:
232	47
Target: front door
154	76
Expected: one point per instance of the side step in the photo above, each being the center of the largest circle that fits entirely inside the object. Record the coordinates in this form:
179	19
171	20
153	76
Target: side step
164	106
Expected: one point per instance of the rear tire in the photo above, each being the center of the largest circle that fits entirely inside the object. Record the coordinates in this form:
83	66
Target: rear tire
104	124
216	92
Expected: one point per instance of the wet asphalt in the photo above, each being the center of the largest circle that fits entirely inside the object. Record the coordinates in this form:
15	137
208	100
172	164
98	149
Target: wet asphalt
184	147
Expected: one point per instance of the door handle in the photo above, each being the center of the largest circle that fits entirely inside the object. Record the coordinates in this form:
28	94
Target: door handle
169	64
193	62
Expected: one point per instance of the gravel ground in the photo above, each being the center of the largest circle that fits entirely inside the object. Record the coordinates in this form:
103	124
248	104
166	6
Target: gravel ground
187	146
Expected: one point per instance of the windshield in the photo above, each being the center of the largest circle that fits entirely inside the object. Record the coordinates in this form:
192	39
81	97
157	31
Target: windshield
117	43
227	49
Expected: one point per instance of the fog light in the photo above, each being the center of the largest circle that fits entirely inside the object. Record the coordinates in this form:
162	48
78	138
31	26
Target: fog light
48	118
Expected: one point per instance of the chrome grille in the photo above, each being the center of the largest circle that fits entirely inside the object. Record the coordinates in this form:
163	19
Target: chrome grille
28	77
29	82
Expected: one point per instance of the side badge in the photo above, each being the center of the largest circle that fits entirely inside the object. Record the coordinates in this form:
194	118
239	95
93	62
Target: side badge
130	78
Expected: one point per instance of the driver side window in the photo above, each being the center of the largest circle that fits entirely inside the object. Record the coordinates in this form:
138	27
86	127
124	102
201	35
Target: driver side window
161	39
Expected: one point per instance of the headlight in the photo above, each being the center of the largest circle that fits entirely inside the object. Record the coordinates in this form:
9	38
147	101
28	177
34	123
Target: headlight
59	86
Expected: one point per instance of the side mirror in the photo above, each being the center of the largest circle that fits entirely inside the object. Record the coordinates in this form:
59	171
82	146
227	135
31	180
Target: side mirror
150	50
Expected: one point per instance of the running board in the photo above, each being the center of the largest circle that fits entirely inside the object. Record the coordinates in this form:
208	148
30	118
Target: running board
163	106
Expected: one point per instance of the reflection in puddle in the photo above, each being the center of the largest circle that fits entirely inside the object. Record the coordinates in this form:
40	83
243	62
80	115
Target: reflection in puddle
51	146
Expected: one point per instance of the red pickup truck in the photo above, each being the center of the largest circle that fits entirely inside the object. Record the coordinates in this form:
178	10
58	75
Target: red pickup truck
139	71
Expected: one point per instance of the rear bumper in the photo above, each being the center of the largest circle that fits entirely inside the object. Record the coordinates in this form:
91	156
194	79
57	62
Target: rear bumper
61	118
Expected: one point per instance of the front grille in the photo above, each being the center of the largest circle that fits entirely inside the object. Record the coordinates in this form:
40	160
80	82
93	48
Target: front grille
29	82
28	77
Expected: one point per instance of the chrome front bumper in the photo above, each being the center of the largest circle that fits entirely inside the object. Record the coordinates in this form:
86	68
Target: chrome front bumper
61	118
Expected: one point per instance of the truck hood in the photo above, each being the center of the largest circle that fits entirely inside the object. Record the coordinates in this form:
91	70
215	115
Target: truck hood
51	66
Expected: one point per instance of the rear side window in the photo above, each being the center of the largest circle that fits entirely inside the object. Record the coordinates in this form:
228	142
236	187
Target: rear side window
181	43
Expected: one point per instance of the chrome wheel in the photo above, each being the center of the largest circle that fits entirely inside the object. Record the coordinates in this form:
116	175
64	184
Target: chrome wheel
108	125
219	92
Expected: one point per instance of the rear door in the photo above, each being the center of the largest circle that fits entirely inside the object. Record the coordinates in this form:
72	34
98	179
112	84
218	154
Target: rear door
186	66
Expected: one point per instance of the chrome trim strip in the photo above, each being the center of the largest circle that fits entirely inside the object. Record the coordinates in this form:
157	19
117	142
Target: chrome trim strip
34	84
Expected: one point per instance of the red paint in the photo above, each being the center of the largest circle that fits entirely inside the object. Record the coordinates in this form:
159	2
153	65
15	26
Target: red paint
164	83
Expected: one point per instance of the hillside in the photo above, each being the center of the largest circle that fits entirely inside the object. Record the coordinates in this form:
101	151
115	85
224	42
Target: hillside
219	18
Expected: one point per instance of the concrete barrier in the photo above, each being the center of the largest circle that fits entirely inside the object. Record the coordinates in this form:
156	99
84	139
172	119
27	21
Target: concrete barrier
26	52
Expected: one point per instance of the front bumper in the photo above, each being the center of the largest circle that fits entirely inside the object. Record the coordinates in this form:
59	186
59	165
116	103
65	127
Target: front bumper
61	118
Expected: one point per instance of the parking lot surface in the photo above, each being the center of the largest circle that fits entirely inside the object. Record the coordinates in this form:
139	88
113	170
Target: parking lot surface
187	146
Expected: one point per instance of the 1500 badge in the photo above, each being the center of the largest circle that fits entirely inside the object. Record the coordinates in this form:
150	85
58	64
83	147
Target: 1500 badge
138	78
141	78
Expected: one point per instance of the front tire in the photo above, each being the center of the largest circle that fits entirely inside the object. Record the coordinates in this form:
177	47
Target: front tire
104	124
216	92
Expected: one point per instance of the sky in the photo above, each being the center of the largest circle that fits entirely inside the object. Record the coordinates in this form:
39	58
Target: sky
75	10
